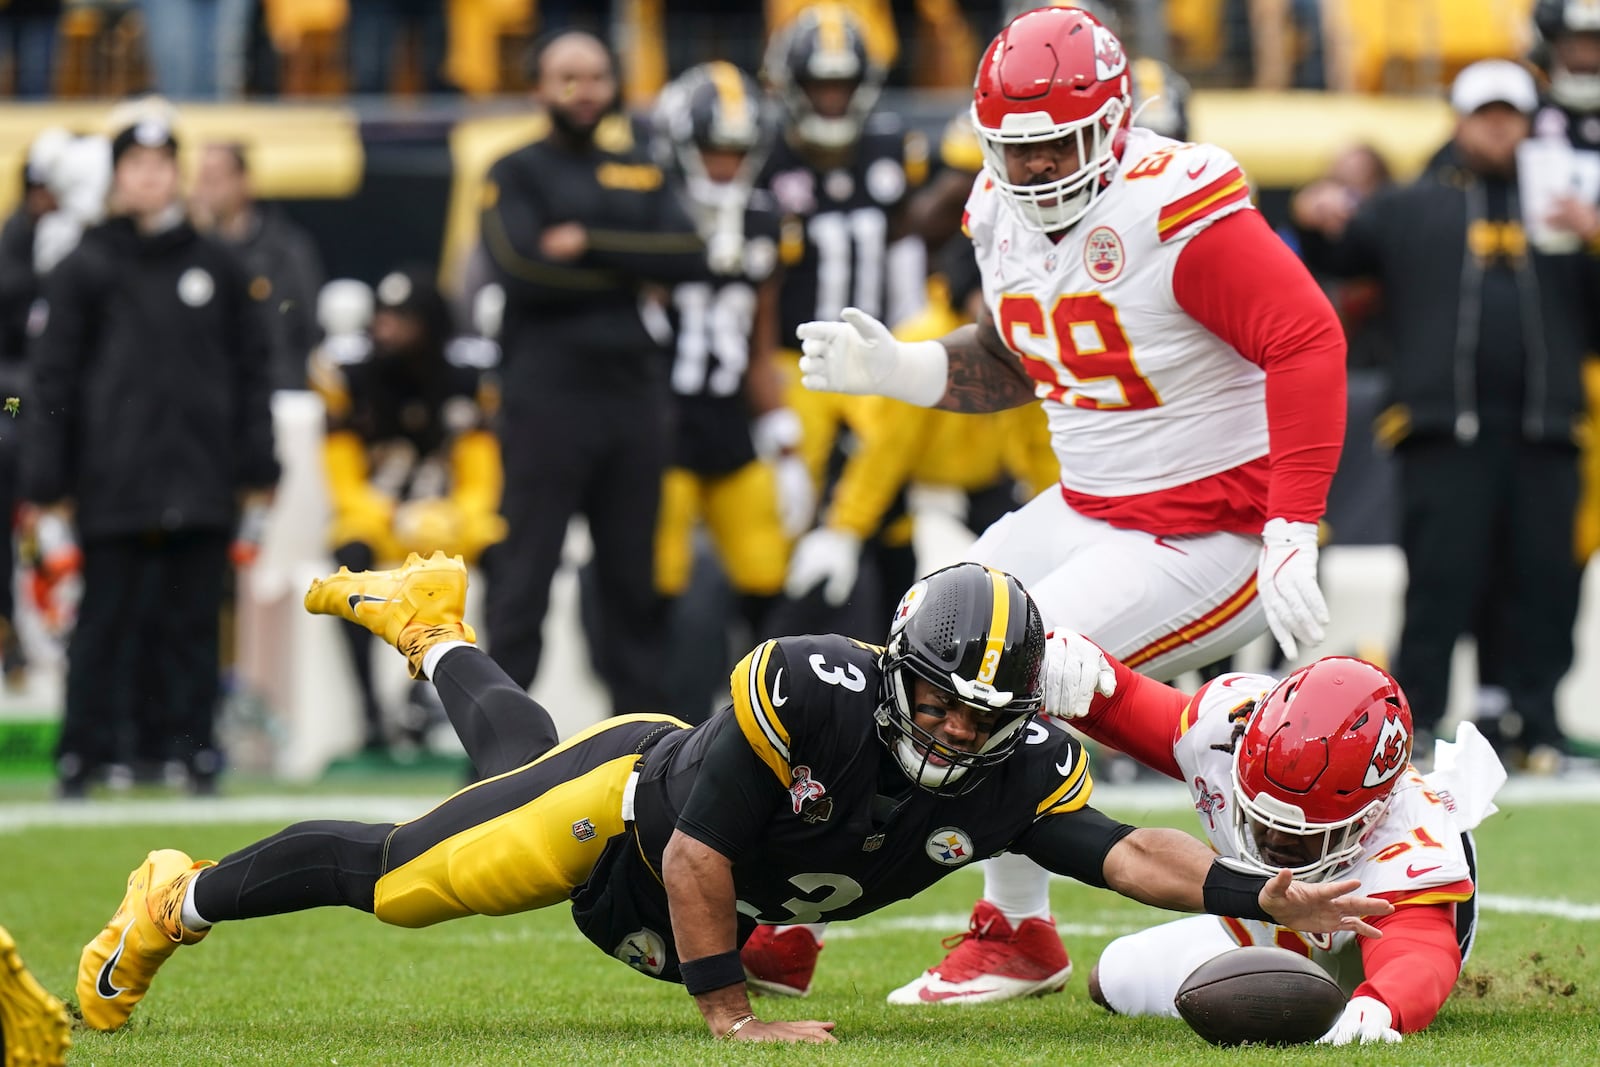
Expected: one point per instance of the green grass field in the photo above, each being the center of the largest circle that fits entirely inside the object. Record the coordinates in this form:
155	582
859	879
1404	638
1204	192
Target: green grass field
334	987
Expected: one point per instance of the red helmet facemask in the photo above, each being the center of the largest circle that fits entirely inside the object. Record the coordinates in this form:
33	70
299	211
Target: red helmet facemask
1051	74
1319	758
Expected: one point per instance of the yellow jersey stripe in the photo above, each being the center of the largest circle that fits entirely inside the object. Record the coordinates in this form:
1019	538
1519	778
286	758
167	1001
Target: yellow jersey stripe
1440	897
752	707
1073	793
999	621
1177	222
1187	719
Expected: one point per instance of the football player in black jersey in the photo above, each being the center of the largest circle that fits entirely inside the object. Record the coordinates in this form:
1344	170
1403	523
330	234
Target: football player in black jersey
842	778
842	174
1568	48
735	465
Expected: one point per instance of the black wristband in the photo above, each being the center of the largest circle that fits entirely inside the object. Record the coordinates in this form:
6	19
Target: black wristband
1234	893
711	973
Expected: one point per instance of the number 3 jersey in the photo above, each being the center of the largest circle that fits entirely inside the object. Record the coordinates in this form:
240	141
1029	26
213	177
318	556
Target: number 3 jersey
1417	853
794	785
1141	398
713	319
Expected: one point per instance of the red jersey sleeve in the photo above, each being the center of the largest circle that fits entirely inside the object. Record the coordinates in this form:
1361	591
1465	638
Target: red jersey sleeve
1414	965
1241	282
1140	718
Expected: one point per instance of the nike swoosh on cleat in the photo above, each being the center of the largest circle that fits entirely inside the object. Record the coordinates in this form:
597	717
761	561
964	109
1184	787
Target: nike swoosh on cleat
363	598
103	984
934	996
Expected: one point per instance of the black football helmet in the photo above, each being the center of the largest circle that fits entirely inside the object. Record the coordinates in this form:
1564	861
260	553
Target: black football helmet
1578	90
974	632
824	43
713	106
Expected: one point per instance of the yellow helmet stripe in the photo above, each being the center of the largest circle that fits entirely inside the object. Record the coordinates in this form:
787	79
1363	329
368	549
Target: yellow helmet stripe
730	91
999	621
831	33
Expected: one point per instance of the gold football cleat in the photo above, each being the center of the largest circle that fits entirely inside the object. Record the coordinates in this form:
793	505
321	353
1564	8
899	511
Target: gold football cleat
117	967
413	607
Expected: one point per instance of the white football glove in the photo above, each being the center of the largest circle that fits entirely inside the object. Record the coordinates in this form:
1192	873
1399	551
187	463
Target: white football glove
828	556
1365	1019
797	494
860	355
1074	671
776	435
1287	582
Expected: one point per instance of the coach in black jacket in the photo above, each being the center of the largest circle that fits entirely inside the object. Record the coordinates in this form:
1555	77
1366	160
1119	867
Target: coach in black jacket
149	424
1490	333
577	225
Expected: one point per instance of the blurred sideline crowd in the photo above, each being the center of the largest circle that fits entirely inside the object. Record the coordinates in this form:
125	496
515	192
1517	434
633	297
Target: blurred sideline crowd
621	347
206	49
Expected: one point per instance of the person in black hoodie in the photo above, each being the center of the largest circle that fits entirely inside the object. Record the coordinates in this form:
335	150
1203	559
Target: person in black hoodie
578	225
149	427
1490	331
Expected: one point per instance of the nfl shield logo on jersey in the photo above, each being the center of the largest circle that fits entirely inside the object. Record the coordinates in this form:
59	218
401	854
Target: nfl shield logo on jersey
583	830
950	846
643	950
1102	254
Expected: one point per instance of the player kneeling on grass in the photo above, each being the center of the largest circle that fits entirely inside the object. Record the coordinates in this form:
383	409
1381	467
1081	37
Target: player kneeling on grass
843	778
1313	774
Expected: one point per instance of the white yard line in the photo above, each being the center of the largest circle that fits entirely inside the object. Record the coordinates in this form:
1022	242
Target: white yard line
1125	800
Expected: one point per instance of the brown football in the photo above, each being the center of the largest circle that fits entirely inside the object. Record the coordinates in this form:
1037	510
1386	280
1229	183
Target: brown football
1264	996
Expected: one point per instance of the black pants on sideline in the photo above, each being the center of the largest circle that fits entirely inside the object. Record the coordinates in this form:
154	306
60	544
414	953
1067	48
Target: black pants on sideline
601	455
358	556
1494	517
323	863
143	671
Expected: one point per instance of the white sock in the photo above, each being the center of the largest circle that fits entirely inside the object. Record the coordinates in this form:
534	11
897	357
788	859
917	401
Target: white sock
192	919
1018	887
431	658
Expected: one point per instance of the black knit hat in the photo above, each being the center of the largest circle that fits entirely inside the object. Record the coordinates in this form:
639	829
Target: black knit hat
146	133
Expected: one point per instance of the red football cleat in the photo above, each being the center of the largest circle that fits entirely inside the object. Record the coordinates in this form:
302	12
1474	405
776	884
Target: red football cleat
780	960
992	962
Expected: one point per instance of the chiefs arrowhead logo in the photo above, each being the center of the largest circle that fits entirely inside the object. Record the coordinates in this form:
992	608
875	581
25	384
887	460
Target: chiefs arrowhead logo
1109	58
1391	753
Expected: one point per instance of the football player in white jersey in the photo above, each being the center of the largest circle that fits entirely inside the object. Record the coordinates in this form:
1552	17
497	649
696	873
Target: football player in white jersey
1311	773
1193	375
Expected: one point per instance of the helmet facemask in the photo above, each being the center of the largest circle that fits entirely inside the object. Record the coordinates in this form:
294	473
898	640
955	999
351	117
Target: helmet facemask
1055	206
1341	841
927	761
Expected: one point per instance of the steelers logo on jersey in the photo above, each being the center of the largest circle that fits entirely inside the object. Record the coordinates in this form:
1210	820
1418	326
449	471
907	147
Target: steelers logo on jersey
196	288
886	181
1102	254
643	950
950	846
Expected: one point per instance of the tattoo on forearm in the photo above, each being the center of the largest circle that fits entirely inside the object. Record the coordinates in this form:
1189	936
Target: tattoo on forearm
984	374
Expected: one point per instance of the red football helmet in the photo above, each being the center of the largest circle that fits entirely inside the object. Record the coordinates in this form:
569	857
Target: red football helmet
1320	756
1052	73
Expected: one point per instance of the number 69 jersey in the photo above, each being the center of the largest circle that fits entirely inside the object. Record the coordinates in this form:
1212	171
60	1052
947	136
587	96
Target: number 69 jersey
1140	396
1415	854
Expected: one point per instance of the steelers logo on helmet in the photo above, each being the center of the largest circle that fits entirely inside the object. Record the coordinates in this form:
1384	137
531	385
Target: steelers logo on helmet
975	634
824	45
1316	767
